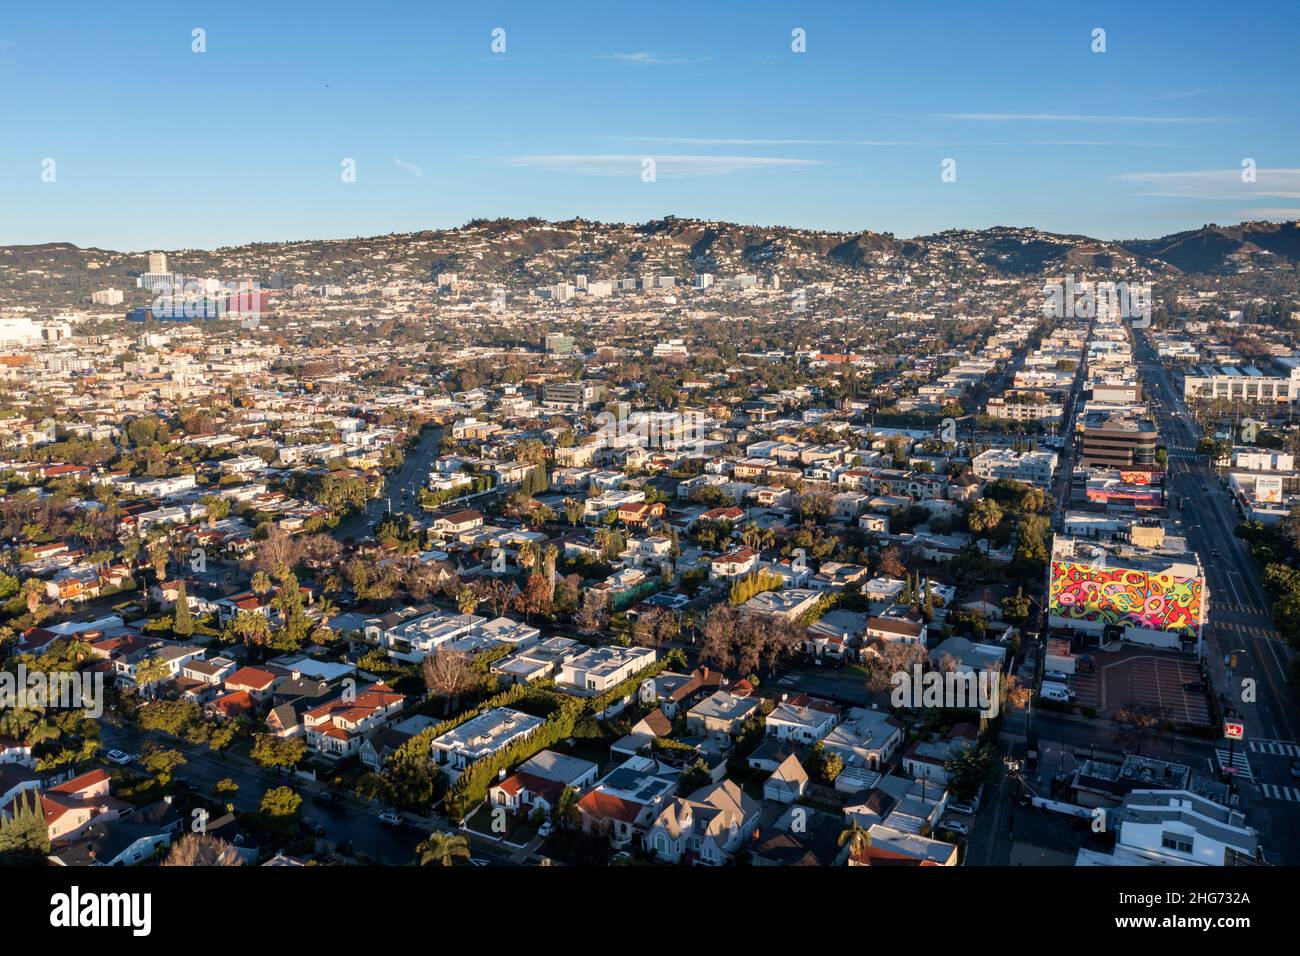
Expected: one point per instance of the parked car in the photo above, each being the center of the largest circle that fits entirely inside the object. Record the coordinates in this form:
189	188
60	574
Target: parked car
961	806
545	829
1058	677
119	757
955	826
1086	663
1058	693
391	817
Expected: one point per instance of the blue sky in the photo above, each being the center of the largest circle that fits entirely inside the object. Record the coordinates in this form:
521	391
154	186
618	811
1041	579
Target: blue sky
158	147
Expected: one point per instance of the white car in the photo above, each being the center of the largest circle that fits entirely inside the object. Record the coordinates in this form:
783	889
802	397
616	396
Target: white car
1057	677
119	757
391	817
545	829
956	826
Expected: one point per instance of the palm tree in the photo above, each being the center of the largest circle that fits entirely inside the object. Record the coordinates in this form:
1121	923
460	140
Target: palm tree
252	627
326	609
467	600
34	591
856	839
202	849
566	806
550	554
443	849
323	633
149	672
261	585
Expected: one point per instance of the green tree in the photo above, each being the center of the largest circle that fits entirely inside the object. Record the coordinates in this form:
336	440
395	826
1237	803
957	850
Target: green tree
278	751
183	620
281	805
24	836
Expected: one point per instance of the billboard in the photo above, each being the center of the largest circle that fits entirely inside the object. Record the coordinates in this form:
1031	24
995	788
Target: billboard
1130	477
1125	597
1268	489
1135	496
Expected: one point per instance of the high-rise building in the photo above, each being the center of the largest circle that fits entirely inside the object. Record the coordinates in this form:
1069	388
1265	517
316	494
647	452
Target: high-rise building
157	262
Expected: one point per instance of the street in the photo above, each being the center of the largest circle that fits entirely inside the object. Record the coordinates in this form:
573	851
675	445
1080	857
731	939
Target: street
1239	620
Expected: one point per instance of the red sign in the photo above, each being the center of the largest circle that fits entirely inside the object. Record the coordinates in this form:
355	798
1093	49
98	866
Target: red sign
1233	730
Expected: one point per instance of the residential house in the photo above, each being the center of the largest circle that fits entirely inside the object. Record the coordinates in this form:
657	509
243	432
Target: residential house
787	782
480	737
626	801
337	728
802	719
706	827
595	671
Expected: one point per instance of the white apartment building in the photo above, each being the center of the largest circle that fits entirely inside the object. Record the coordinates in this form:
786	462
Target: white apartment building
481	737
1032	467
595	671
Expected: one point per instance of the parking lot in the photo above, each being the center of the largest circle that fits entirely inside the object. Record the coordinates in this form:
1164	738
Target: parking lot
1154	682
1087	689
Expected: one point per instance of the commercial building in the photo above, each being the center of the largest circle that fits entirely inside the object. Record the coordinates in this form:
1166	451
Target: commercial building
1176	828
573	394
1118	442
1147	589
1244	383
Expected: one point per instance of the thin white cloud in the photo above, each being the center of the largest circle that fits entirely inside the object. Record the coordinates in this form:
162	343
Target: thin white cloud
709	141
1277	215
713	141
1070	118
613	164
1218	184
645	58
1179	95
409	167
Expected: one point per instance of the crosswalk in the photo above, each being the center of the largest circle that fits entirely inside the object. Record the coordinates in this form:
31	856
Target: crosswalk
1276	748
1275	792
1253	630
1229	606
1238	760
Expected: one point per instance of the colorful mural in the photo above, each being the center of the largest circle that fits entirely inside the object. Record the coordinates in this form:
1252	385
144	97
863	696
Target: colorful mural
1124	597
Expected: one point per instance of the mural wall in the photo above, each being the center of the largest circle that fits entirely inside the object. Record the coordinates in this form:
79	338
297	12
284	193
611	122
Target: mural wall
1126	598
